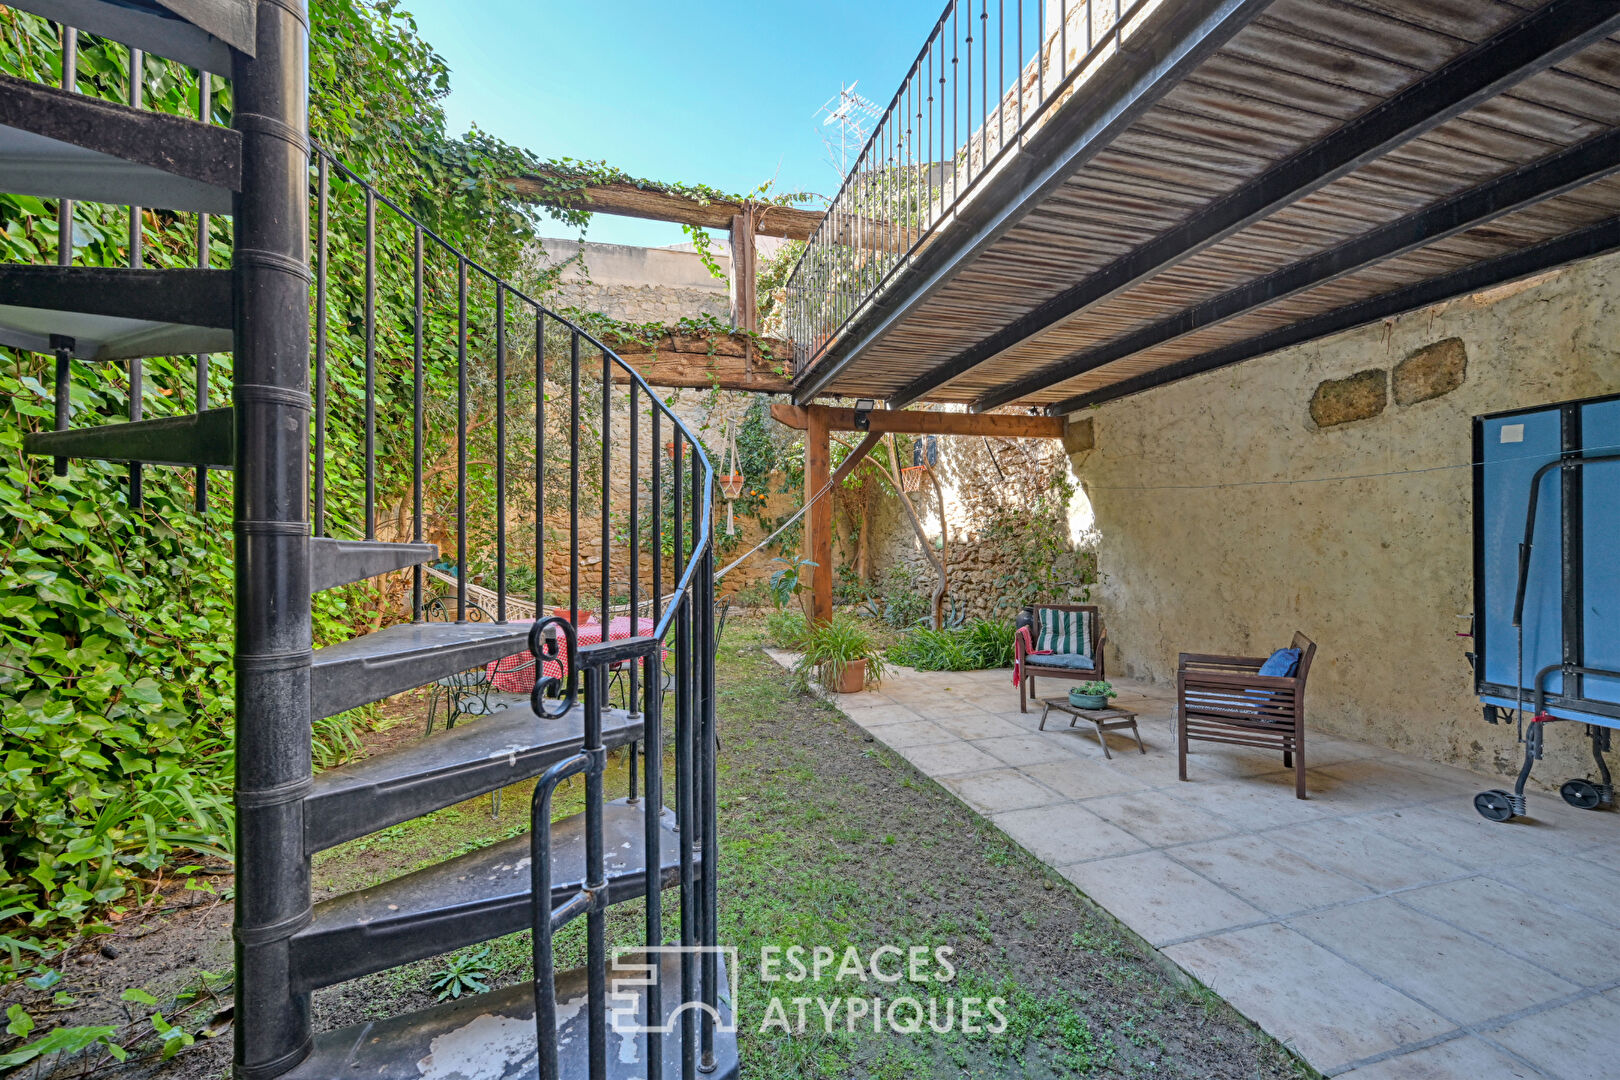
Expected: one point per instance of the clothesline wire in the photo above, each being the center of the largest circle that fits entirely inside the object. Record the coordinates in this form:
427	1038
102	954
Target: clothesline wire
780	529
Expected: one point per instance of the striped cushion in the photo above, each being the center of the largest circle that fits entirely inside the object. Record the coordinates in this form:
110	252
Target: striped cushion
1063	631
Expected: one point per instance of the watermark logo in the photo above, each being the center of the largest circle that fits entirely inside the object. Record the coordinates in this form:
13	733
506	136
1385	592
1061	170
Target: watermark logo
864	984
627	1012
885	967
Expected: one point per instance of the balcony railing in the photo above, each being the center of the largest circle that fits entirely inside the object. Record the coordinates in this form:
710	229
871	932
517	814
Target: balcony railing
988	76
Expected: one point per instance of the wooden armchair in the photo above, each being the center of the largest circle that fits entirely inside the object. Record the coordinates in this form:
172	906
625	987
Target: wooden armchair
1225	699
1075	664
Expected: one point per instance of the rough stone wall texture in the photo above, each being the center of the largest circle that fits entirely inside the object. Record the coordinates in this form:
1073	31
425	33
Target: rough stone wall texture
641	303
1203	548
976	564
706	413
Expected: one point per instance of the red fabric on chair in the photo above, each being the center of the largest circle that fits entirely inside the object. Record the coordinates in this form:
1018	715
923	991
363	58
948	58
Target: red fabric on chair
1024	645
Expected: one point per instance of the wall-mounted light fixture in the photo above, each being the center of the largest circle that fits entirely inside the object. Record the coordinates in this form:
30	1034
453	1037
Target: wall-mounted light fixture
863	412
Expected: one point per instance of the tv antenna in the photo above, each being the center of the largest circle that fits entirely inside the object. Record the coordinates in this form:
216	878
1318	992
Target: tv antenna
847	122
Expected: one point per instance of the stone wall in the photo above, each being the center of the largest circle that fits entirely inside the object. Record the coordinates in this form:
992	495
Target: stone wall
706	413
1326	488
977	476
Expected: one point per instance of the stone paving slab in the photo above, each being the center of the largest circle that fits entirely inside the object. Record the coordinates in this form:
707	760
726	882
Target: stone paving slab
1381	928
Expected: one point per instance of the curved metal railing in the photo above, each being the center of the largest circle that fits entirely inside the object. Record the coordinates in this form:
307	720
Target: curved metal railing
347	420
381	428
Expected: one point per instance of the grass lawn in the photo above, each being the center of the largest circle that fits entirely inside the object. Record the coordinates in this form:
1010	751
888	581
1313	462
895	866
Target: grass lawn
827	839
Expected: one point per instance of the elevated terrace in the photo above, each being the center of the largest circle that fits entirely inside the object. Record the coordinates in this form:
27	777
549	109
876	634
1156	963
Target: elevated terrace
1069	202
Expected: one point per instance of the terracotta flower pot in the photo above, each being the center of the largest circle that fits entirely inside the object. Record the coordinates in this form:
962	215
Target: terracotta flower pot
853	680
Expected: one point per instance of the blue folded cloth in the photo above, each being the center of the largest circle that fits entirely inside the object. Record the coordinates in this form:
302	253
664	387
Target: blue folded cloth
1281	664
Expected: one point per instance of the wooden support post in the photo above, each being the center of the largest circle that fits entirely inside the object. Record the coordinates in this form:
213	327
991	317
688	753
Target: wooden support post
818	526
744	271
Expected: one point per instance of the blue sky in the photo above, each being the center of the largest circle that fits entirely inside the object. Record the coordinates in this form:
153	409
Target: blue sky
720	93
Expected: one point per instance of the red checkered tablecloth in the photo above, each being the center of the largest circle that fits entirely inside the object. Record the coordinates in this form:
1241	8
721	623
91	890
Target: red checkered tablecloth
515	674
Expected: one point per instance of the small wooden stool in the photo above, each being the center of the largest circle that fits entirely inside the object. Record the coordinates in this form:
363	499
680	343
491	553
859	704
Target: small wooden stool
1103	719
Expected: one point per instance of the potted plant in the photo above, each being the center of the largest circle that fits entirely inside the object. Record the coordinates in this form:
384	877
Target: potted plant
1091	695
842	656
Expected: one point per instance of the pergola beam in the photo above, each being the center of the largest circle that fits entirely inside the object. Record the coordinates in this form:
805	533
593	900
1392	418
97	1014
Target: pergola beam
901	422
1587	243
1525	186
818	422
1545	37
627	200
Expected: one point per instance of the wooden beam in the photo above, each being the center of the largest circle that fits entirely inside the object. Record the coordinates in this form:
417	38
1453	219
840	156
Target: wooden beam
852	459
701	371
789	415
1523	187
902	422
628	200
818	526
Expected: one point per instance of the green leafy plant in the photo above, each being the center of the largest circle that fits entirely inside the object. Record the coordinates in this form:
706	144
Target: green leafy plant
829	648
62	1040
900	596
991	641
465	973
788	583
1097	688
849	589
116	681
786	628
982	643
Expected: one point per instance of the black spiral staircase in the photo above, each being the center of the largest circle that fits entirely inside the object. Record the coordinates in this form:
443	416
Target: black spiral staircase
264	173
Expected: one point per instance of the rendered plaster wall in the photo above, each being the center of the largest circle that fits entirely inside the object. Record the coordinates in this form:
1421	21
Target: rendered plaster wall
1225	519
636	284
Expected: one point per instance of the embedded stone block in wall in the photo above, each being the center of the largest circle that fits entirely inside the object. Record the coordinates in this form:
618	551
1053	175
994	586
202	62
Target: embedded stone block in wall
1079	436
1431	371
1361	396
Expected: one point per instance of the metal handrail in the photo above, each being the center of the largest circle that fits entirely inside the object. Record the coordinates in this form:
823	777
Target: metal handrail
704	513
684	612
925	158
272	520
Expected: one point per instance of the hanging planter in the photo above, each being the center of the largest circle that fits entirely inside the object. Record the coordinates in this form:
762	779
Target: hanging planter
731	478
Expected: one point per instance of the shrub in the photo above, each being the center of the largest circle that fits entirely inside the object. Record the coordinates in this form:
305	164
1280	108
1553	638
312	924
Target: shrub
982	643
991	641
785	628
901	597
753	595
851	590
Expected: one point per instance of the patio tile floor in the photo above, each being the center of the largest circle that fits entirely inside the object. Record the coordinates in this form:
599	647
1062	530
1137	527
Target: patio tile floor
1381	928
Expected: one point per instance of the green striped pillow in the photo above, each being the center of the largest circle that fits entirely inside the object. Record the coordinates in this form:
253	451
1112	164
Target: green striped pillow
1064	632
